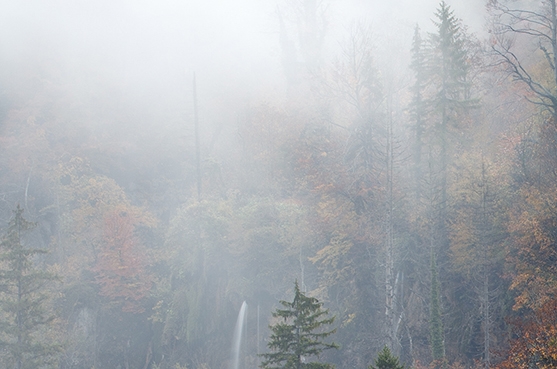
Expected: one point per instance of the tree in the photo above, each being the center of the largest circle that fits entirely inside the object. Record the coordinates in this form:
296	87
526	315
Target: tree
195	297
532	252
23	301
437	339
478	233
535	340
302	49
298	335
440	106
386	360
418	105
448	72
537	24
525	43
120	267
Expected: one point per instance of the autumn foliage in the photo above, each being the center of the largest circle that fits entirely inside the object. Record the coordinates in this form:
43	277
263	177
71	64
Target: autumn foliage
120	266
534	342
533	225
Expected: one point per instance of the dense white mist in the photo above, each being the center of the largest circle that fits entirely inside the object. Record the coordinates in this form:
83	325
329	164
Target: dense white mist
146	41
140	55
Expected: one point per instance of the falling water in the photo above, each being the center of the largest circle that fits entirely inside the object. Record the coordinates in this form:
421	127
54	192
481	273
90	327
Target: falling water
237	340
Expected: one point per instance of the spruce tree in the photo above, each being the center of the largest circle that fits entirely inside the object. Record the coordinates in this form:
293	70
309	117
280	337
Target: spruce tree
386	360
22	301
299	334
418	104
447	74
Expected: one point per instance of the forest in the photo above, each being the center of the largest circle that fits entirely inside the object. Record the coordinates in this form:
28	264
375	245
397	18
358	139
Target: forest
405	183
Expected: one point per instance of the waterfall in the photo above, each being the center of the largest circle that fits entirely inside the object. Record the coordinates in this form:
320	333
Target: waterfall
237	339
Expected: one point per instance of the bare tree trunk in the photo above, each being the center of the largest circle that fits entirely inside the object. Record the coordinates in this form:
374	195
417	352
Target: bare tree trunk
485	268
389	244
149	355
197	142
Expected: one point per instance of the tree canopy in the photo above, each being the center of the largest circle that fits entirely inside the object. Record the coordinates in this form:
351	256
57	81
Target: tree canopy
404	176
298	335
23	301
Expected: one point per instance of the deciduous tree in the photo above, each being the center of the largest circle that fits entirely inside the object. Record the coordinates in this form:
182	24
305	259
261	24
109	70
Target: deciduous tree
536	23
120	267
534	342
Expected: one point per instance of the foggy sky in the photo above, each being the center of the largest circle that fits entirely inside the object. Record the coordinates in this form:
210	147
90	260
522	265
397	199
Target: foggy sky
146	51
131	35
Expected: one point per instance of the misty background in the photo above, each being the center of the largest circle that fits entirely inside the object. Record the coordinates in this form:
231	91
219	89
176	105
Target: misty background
327	160
140	56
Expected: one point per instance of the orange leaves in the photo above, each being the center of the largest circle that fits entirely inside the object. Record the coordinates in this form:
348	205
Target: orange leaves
120	265
535	340
534	251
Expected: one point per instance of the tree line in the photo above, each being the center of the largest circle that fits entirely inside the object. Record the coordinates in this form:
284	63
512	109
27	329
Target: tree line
418	205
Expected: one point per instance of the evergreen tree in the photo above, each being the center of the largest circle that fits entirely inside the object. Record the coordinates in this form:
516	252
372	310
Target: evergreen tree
386	360
418	104
448	72
22	301
298	335
448	65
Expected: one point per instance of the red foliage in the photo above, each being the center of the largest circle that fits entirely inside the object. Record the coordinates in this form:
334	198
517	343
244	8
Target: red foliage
120	266
534	342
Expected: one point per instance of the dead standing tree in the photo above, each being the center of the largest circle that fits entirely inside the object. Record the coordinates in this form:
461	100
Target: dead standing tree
525	42
536	23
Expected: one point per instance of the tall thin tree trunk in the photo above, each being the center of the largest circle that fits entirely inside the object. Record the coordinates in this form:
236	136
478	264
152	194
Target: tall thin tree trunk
391	283
19	318
487	325
197	141
485	267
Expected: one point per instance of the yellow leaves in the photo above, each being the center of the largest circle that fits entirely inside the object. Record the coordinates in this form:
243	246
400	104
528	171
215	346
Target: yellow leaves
349	318
542	71
121	261
90	196
340	213
85	202
478	226
533	252
333	259
463	242
332	254
534	289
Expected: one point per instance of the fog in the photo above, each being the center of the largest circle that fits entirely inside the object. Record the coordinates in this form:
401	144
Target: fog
137	58
335	164
148	49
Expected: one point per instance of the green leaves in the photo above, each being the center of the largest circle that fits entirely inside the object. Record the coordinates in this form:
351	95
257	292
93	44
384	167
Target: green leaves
386	360
298	334
22	299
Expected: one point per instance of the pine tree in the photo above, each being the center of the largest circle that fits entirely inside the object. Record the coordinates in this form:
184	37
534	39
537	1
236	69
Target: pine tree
299	334
22	301
386	360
